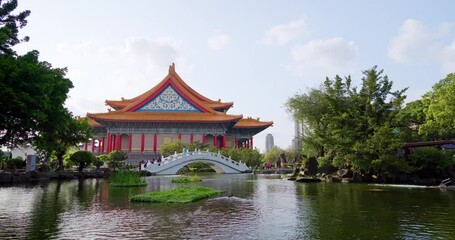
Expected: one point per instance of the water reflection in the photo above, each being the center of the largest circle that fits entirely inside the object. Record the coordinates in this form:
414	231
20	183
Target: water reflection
260	207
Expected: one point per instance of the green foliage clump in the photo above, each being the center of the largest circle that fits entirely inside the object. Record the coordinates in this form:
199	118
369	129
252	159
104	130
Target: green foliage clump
33	94
116	159
101	160
272	155
251	157
15	163
353	128
83	158
181	194
430	162
185	179
171	148
127	178
439	110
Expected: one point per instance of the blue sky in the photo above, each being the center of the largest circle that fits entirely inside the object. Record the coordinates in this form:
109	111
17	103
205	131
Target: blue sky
254	53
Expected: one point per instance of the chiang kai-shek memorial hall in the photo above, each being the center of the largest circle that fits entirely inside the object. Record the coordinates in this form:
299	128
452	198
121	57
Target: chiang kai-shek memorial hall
170	111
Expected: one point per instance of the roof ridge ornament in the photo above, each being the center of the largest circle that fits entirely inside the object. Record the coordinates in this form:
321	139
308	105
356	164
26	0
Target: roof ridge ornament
172	68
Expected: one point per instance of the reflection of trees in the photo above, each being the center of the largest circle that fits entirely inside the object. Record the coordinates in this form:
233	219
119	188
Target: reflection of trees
56	198
350	211
45	215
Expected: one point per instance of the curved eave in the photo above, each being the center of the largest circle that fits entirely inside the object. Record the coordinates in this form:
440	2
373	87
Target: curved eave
163	117
252	123
221	106
94	123
117	104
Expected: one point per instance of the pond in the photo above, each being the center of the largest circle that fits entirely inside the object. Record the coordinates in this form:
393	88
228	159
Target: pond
251	207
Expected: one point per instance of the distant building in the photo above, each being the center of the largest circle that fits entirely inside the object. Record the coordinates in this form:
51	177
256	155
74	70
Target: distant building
298	134
269	142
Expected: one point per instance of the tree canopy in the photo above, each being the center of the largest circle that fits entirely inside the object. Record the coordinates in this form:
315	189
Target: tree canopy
350	127
439	110
10	25
33	94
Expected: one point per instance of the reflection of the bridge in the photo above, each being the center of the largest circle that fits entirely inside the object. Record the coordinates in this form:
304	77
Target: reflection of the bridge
172	164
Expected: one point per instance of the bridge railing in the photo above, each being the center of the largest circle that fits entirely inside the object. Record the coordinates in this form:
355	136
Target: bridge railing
177	156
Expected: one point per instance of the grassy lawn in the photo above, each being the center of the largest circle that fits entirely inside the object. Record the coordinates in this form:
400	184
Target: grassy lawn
181	194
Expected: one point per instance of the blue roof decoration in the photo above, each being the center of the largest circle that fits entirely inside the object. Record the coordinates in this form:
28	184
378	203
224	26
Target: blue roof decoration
169	100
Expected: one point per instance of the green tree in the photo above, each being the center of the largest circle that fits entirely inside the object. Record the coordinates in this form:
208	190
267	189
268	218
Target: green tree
83	158
171	148
101	160
62	132
413	116
33	92
116	159
440	110
196	145
9	26
350	127
251	157
430	162
272	155
310	109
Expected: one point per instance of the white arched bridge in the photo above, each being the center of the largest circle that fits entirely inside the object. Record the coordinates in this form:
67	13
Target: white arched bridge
172	164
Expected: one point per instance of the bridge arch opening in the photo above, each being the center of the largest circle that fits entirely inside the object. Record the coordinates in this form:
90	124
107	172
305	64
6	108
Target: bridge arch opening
197	167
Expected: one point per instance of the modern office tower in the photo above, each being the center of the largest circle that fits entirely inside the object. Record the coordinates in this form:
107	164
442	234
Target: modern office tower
297	141
269	142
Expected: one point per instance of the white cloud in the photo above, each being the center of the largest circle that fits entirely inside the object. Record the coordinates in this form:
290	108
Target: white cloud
156	53
284	33
150	53
330	56
416	43
125	69
219	41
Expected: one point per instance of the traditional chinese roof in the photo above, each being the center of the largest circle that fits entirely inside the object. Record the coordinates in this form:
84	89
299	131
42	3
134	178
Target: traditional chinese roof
176	80
172	100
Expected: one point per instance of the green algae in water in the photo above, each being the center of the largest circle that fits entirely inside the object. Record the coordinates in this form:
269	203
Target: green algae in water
181	194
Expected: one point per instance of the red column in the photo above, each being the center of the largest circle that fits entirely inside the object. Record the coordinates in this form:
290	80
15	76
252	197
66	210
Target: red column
251	142
102	145
119	142
130	143
224	141
214	140
108	142
247	145
203	138
113	142
112	145
236	142
180	137
111	139
154	142
191	139
85	146
142	143
93	145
